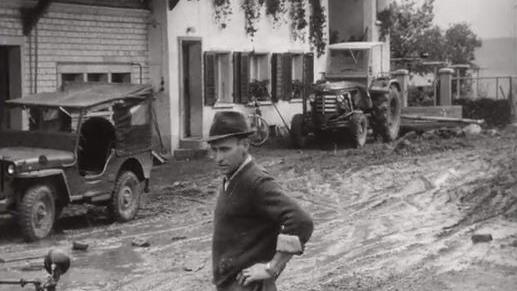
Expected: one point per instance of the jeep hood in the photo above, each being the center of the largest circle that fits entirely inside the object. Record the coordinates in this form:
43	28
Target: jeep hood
30	157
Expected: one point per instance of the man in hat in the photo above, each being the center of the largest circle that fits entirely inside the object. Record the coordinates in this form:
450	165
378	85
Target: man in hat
257	228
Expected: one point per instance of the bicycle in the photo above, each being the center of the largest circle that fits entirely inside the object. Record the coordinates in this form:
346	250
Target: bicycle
258	124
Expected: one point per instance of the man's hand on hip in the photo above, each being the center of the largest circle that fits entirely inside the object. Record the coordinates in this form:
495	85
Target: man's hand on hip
254	273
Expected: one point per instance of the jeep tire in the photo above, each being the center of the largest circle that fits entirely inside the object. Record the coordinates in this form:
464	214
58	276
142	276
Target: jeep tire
125	201
358	129
36	212
298	132
386	114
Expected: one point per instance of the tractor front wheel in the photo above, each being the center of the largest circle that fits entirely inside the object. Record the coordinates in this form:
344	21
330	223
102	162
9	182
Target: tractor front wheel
358	129
386	114
298	132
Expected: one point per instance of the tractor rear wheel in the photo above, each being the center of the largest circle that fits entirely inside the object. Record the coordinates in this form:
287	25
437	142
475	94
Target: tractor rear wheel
298	132
358	129
386	114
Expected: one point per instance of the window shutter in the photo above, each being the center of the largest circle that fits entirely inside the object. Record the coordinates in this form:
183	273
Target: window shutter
276	77
210	97
244	77
236	77
287	76
308	73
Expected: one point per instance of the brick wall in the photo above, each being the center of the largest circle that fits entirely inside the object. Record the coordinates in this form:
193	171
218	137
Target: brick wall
79	35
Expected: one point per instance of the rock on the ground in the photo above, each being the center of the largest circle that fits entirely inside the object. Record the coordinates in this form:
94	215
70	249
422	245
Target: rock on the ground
477	238
140	242
472	129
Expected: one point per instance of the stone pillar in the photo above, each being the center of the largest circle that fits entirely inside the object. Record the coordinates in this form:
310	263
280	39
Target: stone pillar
445	75
402	77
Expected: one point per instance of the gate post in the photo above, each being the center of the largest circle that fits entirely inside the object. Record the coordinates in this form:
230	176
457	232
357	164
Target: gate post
402	77
513	103
445	86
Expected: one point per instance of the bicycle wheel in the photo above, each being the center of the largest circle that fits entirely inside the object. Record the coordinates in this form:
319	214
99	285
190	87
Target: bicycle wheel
261	134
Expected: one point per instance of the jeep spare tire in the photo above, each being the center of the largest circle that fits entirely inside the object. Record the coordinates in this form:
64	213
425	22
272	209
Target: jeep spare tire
386	114
126	197
298	132
37	212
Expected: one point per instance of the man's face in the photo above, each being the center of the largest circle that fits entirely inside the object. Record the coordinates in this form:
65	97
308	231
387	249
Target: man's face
229	153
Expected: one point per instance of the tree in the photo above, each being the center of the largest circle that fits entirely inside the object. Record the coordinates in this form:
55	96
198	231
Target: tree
460	43
412	33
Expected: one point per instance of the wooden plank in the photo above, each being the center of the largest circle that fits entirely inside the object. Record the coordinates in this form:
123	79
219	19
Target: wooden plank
454	111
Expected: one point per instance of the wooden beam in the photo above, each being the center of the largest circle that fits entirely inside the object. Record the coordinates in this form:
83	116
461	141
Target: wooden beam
31	16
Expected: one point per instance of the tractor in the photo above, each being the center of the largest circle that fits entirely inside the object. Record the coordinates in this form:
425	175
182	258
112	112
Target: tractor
353	95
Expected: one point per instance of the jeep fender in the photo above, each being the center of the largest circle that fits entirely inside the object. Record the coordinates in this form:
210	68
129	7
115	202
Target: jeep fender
58	176
141	165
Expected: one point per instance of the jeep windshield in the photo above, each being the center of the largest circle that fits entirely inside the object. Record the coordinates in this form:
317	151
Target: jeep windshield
37	118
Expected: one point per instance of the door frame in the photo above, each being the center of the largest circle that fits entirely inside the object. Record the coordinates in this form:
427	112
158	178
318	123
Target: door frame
17	41
181	41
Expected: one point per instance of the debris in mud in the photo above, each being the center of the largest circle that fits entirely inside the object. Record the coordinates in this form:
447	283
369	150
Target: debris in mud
478	238
492	132
177	238
140	242
79	246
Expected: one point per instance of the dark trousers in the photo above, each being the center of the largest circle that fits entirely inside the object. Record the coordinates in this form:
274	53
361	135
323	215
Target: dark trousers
266	285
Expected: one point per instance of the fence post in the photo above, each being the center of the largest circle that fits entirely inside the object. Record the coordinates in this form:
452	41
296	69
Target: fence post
496	88
445	86
513	105
402	77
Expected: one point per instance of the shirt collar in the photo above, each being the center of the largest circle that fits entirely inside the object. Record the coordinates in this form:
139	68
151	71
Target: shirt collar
227	180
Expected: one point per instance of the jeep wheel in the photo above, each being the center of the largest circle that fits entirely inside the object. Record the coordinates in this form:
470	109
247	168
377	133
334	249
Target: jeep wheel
386	115
37	212
298	132
126	197
358	129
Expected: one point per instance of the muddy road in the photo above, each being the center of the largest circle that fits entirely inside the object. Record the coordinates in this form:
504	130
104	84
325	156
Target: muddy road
387	217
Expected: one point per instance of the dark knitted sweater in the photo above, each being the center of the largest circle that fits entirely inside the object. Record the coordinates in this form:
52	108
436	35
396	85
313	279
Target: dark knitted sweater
249	216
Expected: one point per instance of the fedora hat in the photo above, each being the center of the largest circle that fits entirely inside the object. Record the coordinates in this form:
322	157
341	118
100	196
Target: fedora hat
228	124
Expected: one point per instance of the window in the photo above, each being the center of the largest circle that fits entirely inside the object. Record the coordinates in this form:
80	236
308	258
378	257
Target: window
259	67
97	77
223	78
94	72
72	77
297	67
292	74
121	78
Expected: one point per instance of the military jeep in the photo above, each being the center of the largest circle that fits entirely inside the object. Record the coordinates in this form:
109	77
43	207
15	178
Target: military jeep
83	144
354	94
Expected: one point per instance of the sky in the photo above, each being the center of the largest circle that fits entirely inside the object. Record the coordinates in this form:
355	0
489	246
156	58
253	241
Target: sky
488	18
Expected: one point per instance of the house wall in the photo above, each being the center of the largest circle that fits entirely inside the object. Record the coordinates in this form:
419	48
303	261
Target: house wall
76	34
71	37
195	19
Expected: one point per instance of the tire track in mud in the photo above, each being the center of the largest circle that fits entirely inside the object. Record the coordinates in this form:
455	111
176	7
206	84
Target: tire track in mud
377	226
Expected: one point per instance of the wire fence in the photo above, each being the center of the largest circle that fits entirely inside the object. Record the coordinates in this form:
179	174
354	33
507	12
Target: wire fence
498	87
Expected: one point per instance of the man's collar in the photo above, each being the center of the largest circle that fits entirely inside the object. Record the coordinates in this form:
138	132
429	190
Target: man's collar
244	163
226	181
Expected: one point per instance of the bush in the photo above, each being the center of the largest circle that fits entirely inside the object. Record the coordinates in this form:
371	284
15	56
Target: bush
494	112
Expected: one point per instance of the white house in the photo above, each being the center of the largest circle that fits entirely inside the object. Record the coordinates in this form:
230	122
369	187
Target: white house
210	67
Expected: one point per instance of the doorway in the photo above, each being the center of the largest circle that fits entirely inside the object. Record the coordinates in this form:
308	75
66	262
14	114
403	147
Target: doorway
10	83
191	89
